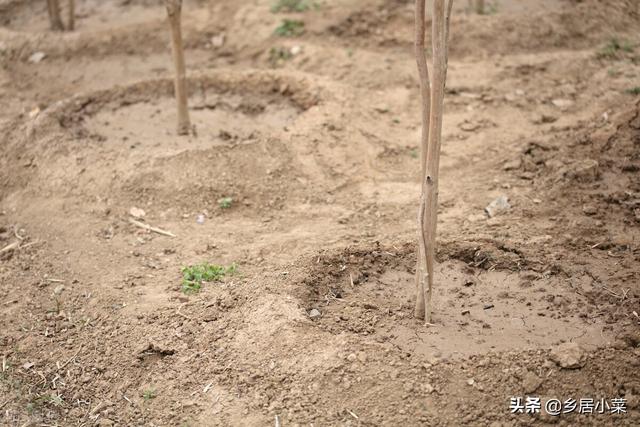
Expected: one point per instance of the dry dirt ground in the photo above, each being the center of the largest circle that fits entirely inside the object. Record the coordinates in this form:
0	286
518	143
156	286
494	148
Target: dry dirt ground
314	137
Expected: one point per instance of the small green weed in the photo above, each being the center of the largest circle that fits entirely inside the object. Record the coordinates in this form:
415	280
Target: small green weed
54	399
634	90
290	28
225	202
279	55
194	275
149	394
293	6
614	48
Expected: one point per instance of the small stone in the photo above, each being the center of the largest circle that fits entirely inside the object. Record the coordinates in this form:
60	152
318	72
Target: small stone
562	103
37	57
295	50
589	210
497	206
218	40
314	313
137	212
568	355
619	344
530	383
587	170
544	118
469	126
471	381
58	290
352	357
512	164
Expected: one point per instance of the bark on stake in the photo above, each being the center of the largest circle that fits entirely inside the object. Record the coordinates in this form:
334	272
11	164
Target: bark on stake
174	9
53	7
432	92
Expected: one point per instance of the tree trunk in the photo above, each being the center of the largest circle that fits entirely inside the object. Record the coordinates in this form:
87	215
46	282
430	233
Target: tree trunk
174	8
53	7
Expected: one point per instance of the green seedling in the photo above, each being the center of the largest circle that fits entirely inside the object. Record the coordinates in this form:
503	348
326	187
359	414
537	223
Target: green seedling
290	28
293	6
194	275
225	202
634	90
149	394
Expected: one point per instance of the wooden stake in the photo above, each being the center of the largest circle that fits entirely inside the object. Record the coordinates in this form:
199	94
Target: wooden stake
433	109
174	9
425	95
55	20
72	15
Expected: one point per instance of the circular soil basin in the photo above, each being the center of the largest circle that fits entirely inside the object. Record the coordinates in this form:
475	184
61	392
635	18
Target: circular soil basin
372	292
122	142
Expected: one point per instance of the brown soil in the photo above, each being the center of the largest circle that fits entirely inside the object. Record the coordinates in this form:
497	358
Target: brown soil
318	151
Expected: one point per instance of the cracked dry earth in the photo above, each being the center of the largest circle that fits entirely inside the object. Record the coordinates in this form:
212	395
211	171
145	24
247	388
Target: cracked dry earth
318	151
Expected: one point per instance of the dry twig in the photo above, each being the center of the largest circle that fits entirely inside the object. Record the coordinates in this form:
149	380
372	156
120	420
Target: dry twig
150	228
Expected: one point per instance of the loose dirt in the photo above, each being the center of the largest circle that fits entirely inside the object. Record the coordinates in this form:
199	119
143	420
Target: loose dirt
315	140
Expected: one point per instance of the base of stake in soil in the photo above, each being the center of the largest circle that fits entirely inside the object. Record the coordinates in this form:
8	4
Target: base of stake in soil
432	94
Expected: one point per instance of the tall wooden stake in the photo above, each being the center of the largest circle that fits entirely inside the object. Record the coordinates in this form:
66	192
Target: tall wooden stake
432	94
425	94
174	9
53	7
72	15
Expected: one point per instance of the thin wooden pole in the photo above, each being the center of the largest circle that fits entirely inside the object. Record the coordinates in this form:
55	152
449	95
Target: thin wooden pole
72	15
434	106
174	9
425	95
53	8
